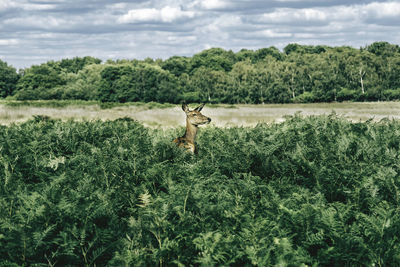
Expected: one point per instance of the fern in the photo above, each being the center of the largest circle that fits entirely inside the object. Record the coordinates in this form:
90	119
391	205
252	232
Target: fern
315	190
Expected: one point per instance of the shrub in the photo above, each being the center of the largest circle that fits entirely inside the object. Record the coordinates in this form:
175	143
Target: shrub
345	94
309	191
306	97
391	94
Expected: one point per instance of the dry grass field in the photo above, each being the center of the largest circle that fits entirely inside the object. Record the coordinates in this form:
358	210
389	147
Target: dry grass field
222	115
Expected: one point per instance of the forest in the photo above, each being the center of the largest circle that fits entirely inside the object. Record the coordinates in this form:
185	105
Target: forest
311	191
298	74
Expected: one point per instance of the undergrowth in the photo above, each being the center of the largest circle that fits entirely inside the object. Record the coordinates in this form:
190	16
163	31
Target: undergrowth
310	191
66	103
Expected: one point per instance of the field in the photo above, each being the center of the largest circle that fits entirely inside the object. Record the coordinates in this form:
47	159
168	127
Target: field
168	115
309	191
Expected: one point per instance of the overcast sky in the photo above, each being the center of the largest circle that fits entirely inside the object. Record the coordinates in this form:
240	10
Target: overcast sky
36	31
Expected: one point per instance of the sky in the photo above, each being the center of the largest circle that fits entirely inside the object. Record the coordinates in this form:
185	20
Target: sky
36	31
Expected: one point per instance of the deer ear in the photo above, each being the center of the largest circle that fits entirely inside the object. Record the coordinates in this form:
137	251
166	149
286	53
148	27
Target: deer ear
185	107
199	108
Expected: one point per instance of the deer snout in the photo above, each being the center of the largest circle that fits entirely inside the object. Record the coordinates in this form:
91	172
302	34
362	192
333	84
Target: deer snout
209	120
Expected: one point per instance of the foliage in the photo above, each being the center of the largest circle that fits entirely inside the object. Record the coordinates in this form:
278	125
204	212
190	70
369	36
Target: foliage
147	83
76	64
39	82
75	103
309	191
345	94
8	79
300	73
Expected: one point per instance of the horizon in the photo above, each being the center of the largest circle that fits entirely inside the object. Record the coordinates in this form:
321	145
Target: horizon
188	56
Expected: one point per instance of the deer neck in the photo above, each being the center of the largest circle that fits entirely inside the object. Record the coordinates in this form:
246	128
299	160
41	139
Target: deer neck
191	131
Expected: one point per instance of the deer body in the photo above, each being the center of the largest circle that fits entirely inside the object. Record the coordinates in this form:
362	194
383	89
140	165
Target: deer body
193	119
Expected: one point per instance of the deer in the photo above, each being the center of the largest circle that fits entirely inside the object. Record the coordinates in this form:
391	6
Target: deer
193	119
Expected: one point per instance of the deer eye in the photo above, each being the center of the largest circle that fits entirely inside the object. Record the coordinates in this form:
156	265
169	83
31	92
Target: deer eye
194	115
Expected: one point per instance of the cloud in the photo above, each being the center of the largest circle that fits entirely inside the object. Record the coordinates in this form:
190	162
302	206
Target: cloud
166	14
23	5
290	15
5	4
274	34
213	4
34	31
8	42
381	13
373	12
37	22
382	10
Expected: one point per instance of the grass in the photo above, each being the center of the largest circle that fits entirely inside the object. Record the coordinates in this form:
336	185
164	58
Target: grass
157	115
66	103
46	103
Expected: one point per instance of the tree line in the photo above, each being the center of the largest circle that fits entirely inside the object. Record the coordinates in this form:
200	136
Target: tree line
299	73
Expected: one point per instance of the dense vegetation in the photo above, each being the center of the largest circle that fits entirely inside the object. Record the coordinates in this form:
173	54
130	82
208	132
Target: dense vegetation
315	190
297	74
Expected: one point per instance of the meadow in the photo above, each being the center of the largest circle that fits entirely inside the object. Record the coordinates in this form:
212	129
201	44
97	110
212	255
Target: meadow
157	115
312	190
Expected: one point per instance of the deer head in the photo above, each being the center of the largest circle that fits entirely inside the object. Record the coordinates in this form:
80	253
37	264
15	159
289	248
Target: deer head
194	117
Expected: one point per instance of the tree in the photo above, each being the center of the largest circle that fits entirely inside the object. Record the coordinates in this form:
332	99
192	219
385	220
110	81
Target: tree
383	49
290	77
293	48
39	82
210	84
176	65
245	54
77	63
157	84
301	73
321	76
116	84
83	85
360	71
8	79
262	53
250	81
214	59
127	83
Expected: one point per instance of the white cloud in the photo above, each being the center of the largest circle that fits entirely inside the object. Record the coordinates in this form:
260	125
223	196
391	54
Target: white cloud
6	4
382	10
36	7
291	15
180	40
213	4
223	23
343	13
170	14
166	14
117	6
376	11
42	22
140	15
290	1
218	29
8	41
274	34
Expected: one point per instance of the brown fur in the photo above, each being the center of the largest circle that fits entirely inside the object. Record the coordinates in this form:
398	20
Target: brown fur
193	119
